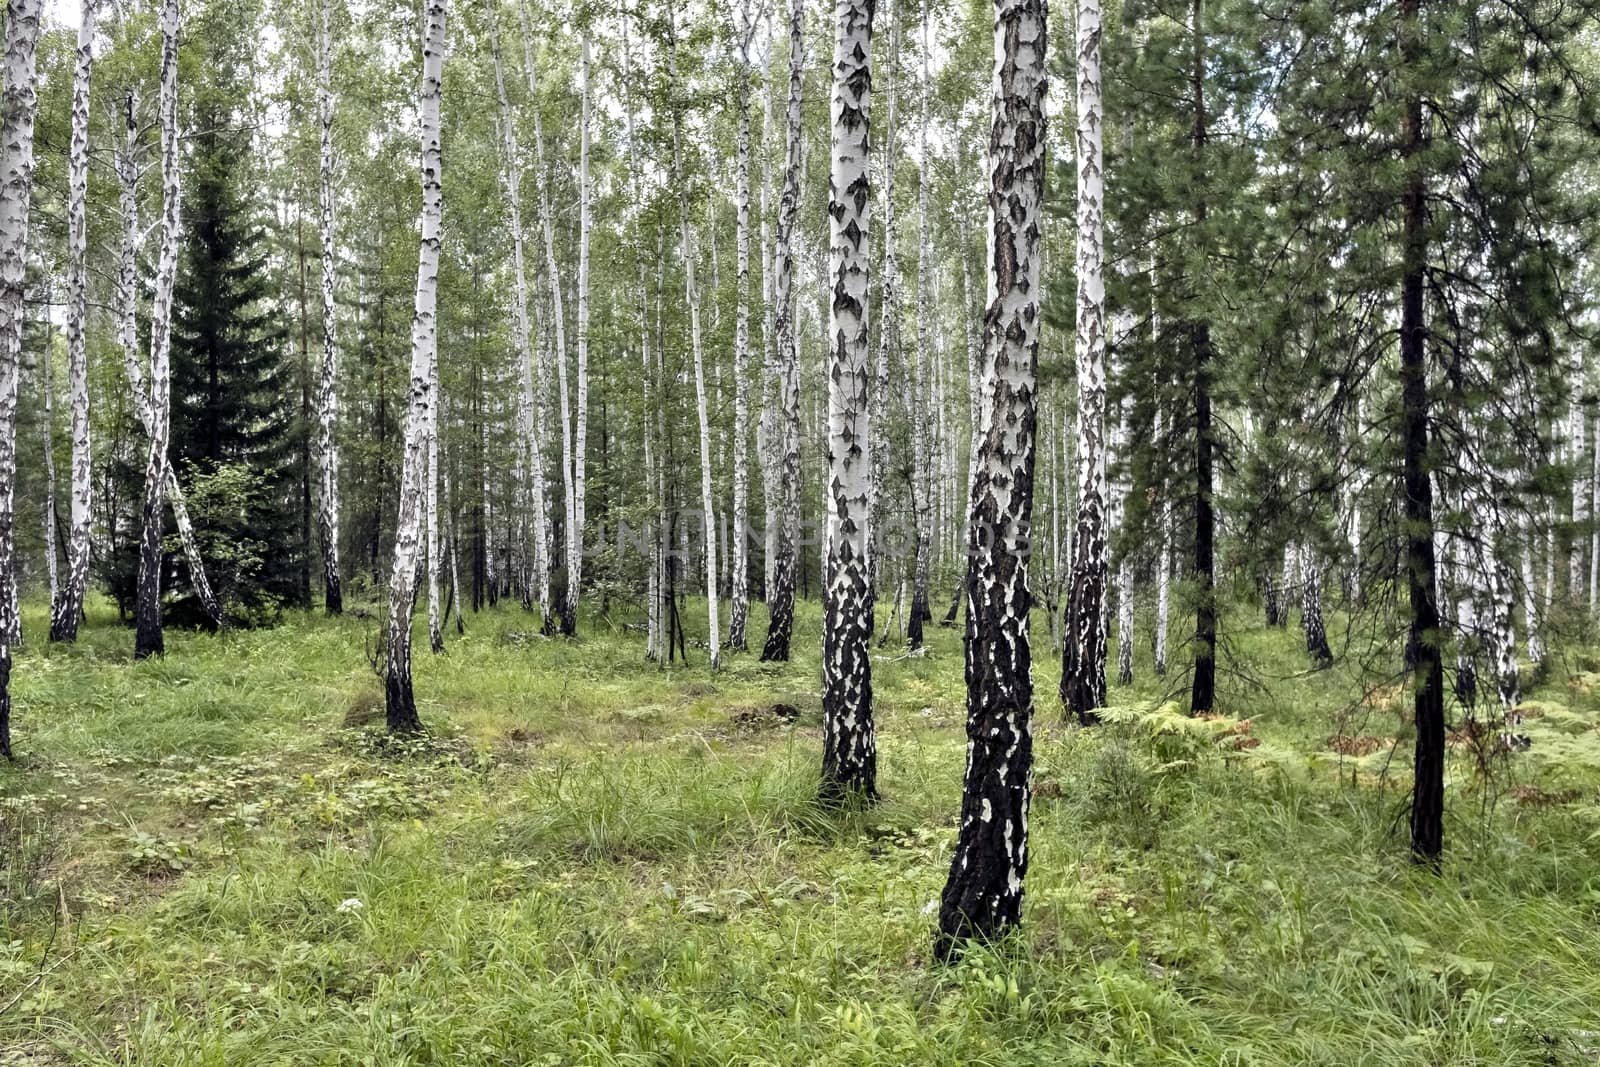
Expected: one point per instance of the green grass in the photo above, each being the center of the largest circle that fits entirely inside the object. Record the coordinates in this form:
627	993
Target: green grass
593	861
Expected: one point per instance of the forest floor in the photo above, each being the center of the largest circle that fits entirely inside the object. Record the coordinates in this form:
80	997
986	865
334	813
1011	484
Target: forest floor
218	858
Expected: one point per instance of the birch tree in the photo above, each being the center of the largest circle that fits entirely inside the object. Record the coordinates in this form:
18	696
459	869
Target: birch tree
553	276
691	296
780	597
921	416
148	638
849	753
328	382
399	701
982	897
1083	657
18	104
739	563
580	442
140	382
531	427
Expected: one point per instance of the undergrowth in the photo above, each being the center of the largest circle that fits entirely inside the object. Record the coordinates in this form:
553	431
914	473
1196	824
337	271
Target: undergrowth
218	858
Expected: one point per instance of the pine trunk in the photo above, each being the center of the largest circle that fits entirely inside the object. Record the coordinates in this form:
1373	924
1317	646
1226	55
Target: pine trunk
1202	695
400	703
1427	680
982	897
780	597
1083	657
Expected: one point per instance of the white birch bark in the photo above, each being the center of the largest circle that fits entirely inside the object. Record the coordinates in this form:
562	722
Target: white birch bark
1083	677
982	897
569	601
435	623
531	444
889	328
580	440
67	609
849	760
691	298
921	400
148	638
738	549
47	374
780	594
1580	512
1593	489
400	703
768	435
328	381
18	105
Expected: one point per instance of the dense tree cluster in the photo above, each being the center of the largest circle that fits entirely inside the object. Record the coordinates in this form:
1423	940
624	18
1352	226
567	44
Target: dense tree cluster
1201	313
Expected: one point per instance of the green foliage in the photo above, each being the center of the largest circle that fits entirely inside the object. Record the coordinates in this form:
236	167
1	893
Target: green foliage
592	861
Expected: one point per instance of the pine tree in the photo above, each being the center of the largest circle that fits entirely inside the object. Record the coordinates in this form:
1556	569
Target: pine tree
231	391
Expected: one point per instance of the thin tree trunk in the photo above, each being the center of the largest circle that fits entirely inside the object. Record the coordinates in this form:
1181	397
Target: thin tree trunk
328	383
739	562
1202	695
982	897
435	623
780	596
52	547
140	385
1083	660
400	703
66	609
148	639
691	297
531	447
1427	791
569	600
580	443
18	105
921	378
889	327
849	753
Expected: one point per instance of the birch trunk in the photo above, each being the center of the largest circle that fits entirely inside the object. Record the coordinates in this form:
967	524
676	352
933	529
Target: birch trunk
435	623
47	375
148	639
691	296
399	701
1162	509
580	442
569	599
1580	514
531	449
921	390
768	435
780	595
139	382
739	563
1083	658
889	328
328	384
849	753
1311	610
982	897
18	105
